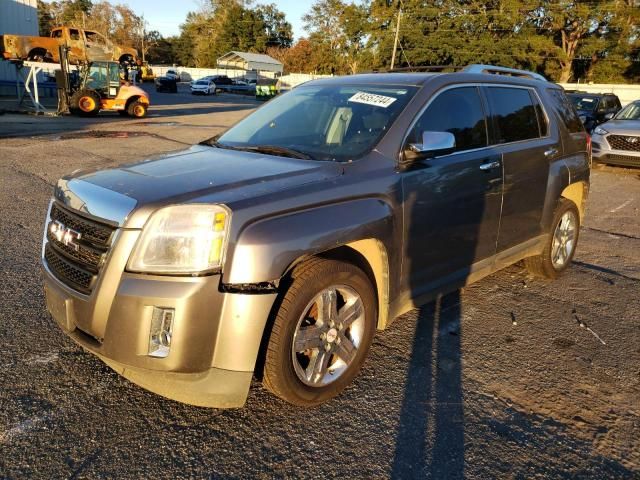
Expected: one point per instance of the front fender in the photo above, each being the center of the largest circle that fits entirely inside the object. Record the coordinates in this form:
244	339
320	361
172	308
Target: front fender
264	250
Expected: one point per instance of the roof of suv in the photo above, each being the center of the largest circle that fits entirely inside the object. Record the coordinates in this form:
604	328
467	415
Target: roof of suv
497	74
419	79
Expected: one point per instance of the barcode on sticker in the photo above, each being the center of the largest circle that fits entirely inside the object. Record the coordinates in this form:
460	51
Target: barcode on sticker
372	99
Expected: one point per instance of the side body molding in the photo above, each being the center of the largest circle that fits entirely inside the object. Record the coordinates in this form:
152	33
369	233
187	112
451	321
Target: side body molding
264	250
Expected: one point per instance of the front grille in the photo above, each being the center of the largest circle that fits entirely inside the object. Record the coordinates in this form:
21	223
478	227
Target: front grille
77	264
624	142
68	272
625	160
91	230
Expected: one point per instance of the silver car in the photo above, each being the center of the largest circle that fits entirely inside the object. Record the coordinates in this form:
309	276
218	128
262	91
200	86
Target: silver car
618	140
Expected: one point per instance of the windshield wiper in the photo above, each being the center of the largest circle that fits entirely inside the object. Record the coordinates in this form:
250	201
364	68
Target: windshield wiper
213	142
268	149
277	150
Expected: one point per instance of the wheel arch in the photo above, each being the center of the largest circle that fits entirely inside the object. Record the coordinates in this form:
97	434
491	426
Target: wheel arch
577	193
39	51
370	255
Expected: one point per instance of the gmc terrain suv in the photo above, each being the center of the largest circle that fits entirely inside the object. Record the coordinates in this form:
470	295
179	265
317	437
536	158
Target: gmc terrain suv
278	248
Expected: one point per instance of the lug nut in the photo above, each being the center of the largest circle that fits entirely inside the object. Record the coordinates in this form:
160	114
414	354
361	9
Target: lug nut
338	340
323	336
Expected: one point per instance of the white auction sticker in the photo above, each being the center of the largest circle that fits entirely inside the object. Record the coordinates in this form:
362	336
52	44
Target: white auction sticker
372	99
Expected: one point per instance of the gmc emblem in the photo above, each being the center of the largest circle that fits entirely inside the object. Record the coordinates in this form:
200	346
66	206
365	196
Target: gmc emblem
65	235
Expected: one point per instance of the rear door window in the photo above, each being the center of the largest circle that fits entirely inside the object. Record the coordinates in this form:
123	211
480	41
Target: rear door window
565	110
513	114
458	111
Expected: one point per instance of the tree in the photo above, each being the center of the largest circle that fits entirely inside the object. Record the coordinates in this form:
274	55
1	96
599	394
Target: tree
45	19
278	31
340	30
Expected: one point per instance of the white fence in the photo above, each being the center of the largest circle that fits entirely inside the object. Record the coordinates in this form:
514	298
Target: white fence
626	93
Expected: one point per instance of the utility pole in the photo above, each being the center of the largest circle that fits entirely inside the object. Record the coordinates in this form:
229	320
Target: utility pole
143	33
395	41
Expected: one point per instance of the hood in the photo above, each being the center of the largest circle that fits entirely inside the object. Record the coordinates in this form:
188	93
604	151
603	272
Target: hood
205	174
624	127
586	113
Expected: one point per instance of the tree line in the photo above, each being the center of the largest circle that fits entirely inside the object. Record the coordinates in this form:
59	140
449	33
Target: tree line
565	40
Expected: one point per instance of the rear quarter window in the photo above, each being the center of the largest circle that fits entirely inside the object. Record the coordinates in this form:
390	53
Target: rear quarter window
565	110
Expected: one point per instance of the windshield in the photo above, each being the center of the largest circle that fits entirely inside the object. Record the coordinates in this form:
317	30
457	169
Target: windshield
202	82
322	122
584	103
630	112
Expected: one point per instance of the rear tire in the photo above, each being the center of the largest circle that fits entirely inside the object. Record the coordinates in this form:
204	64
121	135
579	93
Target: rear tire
561	245
137	109
321	334
85	102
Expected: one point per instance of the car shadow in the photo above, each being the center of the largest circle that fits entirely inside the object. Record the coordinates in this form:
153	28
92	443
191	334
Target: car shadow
432	410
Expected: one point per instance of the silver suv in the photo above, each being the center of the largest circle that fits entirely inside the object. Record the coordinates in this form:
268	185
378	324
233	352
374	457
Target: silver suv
618	140
278	248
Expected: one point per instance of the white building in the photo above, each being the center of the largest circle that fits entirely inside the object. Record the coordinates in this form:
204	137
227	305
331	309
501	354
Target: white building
18	17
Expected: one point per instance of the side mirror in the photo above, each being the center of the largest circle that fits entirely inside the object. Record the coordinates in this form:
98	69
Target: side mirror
609	116
433	144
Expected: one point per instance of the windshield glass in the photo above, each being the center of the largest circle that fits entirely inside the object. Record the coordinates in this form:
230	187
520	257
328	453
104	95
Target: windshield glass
322	122
630	112
584	103
202	82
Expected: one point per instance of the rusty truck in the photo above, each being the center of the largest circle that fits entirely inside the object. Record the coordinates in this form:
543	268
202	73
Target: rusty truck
84	46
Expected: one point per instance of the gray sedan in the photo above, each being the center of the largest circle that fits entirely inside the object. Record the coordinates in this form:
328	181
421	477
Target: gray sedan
618	140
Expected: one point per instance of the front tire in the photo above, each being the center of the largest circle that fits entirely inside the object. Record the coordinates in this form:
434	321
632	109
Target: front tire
321	334
561	246
85	102
137	109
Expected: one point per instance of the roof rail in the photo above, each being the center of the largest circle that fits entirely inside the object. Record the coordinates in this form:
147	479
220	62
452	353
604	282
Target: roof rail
514	72
426	68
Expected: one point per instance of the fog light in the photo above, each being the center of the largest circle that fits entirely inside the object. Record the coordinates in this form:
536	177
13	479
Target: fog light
161	331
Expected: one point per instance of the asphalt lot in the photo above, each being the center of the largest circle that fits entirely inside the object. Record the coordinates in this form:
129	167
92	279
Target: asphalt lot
512	378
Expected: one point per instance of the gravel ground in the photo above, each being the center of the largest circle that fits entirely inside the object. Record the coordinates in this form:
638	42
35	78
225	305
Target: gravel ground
510	378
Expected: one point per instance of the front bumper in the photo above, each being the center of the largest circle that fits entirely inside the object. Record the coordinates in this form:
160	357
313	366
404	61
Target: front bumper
215	341
603	153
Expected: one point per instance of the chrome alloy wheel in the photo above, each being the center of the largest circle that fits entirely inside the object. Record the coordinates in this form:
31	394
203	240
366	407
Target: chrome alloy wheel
328	335
564	240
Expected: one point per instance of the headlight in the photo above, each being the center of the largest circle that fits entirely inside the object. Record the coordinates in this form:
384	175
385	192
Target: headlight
600	131
182	239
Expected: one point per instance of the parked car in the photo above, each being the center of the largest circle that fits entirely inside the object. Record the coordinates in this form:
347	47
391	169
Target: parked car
279	247
595	108
208	77
223	83
172	74
166	84
203	87
618	140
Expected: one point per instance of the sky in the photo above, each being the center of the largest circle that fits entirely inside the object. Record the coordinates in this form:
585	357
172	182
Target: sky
167	15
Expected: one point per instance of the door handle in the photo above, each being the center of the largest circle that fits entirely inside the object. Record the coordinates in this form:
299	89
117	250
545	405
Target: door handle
552	152
489	166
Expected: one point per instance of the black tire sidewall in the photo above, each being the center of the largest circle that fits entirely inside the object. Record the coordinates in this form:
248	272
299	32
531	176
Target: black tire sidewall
332	273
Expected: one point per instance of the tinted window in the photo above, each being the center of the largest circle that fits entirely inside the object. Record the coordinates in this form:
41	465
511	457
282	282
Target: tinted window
514	116
74	34
588	104
565	110
458	111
